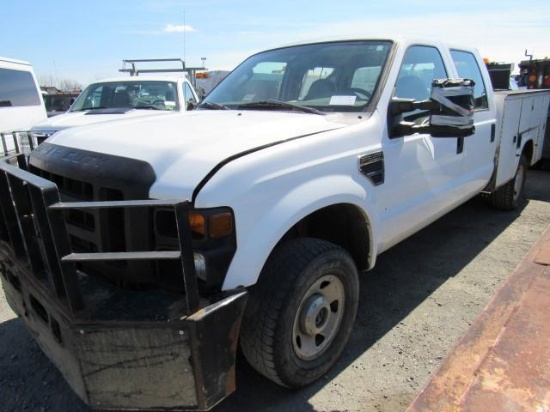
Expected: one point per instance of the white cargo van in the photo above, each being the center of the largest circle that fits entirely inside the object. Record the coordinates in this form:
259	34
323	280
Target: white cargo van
21	103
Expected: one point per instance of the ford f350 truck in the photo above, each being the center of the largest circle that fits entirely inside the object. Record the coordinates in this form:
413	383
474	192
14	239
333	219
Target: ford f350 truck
141	253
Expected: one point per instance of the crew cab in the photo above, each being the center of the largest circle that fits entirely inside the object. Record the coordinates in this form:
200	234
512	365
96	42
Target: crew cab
141	253
121	98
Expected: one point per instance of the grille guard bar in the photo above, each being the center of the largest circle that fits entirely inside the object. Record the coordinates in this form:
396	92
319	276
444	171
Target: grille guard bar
34	227
107	342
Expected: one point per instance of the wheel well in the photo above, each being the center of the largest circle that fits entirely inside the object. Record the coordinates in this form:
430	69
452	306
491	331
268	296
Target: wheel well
342	224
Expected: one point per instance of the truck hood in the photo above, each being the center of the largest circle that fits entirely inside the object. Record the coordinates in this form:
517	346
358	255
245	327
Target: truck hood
182	149
74	119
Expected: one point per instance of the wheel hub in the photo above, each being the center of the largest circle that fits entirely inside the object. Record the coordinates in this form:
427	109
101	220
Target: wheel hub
315	315
318	318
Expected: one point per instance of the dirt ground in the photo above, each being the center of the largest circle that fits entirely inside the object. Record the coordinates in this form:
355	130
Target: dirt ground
420	299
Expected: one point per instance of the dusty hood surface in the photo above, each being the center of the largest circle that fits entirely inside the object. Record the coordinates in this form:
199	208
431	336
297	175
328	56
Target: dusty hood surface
182	149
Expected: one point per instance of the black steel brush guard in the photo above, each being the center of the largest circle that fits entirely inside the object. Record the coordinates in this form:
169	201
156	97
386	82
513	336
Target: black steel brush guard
118	349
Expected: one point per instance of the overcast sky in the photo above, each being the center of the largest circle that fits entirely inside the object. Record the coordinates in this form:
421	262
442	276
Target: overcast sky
87	40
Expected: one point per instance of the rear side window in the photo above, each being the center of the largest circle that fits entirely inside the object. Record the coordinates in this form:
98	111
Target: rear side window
17	88
467	68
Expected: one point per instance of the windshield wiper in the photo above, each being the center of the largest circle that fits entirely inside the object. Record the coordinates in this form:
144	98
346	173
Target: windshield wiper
147	106
90	108
212	106
277	104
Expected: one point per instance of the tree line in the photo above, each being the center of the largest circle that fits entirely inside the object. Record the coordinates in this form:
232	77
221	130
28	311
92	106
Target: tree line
64	84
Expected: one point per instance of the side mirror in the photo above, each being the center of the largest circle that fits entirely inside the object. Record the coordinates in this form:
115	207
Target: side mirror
449	112
455	115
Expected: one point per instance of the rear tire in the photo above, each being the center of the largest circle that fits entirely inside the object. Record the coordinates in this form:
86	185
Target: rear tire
300	314
510	195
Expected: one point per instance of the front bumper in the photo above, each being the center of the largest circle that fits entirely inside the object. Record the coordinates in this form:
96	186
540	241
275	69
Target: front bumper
118	349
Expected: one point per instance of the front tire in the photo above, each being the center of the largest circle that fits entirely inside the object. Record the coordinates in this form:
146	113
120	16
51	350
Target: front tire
300	314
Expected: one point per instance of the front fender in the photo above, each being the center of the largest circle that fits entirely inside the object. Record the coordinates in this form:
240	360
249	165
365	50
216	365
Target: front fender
258	233
272	189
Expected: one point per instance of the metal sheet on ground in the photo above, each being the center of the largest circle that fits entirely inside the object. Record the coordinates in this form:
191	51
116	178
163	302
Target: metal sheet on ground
502	363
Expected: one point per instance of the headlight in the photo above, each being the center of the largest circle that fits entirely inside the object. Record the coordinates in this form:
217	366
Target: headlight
205	224
213	240
216	225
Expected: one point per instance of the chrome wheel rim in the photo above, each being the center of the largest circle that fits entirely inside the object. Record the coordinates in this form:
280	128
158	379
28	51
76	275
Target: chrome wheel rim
318	317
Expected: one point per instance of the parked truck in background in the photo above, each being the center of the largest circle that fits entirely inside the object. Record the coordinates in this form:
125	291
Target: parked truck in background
21	104
501	76
148	91
535	74
58	101
141	253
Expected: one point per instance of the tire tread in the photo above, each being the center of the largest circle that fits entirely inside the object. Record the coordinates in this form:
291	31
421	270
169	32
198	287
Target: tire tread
267	300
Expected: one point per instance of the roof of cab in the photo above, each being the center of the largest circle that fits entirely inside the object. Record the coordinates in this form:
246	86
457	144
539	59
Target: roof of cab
141	78
399	40
14	61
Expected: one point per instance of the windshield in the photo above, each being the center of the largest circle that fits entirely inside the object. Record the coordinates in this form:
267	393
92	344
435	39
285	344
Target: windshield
337	76
156	95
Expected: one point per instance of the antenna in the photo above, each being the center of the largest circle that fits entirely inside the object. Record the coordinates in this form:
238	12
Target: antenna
184	30
528	55
58	79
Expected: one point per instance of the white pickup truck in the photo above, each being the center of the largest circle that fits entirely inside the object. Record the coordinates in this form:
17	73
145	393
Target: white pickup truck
140	253
121	98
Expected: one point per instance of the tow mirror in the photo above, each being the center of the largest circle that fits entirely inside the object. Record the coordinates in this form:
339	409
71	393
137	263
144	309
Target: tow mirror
455	115
449	112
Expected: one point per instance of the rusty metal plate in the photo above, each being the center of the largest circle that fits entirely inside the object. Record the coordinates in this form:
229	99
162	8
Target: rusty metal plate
515	376
543	256
502	363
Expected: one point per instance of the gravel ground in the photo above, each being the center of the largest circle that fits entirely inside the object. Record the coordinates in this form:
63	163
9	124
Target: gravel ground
415	305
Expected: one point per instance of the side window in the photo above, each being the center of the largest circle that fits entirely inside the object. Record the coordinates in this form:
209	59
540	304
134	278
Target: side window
467	68
17	88
188	95
421	65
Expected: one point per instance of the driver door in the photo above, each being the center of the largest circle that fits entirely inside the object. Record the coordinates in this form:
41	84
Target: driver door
420	169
